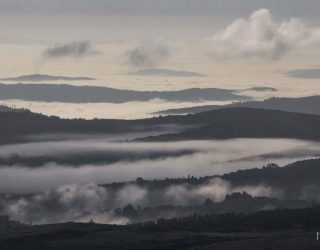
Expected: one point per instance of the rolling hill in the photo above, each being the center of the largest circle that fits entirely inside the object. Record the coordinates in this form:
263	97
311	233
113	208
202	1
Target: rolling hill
307	105
216	124
94	94
246	123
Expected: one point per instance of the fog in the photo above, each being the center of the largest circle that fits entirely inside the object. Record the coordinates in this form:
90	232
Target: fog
85	202
55	193
199	158
103	110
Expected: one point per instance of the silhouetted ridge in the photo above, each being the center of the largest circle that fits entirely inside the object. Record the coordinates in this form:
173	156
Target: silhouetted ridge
307	105
218	124
41	78
247	123
95	94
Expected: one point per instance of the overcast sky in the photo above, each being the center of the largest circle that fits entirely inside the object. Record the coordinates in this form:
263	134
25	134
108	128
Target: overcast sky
111	20
172	7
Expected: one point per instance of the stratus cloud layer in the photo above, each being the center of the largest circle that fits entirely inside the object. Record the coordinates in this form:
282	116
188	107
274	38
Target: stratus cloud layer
261	36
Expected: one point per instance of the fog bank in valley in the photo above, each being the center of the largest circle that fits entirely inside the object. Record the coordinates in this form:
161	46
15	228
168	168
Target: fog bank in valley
147	160
55	193
85	202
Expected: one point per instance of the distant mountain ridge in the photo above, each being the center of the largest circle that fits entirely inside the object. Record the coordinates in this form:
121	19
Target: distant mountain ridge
307	105
217	124
42	78
247	123
94	94
261	89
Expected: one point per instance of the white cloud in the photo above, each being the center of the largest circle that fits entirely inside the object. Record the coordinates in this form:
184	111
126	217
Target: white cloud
261	36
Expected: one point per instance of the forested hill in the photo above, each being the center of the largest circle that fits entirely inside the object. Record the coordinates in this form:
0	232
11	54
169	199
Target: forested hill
307	105
299	180
217	124
247	123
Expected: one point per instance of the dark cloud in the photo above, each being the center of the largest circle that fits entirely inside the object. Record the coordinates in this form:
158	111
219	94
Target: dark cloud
73	50
148	55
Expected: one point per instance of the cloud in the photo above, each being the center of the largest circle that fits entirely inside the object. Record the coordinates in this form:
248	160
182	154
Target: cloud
166	73
261	36
73	50
148	55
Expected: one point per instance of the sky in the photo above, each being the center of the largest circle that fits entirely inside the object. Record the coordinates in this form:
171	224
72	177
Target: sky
236	44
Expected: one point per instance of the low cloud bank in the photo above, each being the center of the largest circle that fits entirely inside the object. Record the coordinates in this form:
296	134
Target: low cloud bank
90	201
205	158
57	193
